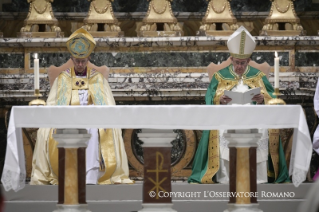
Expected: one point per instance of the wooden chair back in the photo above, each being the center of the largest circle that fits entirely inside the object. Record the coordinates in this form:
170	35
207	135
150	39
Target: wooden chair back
212	67
53	71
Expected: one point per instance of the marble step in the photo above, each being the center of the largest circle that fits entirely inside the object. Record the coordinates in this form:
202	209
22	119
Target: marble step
186	197
134	206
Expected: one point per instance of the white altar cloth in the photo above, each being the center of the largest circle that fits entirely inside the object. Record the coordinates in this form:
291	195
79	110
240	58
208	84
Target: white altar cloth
192	117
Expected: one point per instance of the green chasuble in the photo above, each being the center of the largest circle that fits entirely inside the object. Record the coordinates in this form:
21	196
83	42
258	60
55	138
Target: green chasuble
206	160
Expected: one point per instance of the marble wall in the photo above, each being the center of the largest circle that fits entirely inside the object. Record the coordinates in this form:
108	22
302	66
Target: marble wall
141	6
307	59
11	60
189	13
147	59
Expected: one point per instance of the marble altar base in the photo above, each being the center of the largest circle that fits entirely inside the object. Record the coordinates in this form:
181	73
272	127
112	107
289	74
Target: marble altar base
160	33
40	34
128	198
283	32
72	208
215	33
107	34
243	208
157	170
242	169
72	189
152	207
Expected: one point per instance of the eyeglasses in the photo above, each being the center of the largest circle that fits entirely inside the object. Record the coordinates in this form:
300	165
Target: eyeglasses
77	61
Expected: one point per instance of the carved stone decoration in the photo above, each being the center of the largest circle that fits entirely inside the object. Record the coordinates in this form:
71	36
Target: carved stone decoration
282	20
100	21
40	21
219	19
160	21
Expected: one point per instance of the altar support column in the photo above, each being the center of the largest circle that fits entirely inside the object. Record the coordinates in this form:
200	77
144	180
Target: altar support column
243	170
72	169
157	170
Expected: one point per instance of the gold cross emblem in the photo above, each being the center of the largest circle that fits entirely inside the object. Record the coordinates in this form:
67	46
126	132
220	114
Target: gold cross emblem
159	168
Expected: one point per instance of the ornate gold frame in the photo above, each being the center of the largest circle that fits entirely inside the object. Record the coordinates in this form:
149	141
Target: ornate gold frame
101	12
160	14
40	13
218	13
282	17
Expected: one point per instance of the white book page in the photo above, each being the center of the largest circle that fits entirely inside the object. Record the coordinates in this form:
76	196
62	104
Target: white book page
242	97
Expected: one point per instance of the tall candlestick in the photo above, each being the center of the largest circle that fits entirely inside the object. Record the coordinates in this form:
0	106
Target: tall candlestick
276	71
36	101
36	72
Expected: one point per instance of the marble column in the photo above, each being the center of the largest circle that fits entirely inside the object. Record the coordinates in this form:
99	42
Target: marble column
243	170
157	170
72	169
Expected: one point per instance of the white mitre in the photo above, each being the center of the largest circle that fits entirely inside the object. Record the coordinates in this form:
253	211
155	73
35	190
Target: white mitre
241	44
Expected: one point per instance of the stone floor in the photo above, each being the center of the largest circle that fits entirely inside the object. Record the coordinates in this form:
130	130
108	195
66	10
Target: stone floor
186	197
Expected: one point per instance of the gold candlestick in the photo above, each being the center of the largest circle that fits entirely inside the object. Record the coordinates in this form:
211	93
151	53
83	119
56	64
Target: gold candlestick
276	101
37	101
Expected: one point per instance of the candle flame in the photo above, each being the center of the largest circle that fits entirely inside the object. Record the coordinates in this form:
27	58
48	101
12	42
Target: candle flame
36	56
276	55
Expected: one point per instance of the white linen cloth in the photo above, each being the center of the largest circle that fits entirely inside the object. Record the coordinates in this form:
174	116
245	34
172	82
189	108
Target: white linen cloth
316	134
192	117
262	149
92	149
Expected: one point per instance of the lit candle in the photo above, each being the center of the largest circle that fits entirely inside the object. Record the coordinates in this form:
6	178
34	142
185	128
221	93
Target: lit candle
276	71
36	71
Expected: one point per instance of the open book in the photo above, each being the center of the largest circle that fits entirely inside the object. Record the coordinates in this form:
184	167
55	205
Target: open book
242	97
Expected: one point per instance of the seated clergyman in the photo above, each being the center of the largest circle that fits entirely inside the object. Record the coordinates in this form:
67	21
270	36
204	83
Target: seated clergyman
106	160
211	162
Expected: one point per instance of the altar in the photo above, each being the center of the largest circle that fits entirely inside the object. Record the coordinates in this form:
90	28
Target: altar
156	117
157	53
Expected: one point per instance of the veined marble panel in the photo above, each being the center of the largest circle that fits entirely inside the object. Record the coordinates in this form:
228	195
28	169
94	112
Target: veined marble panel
156	86
140	59
309	58
138	16
261	57
158	59
11	60
141	5
156	42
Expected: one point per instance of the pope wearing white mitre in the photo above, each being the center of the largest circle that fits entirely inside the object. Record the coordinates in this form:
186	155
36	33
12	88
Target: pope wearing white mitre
106	160
211	162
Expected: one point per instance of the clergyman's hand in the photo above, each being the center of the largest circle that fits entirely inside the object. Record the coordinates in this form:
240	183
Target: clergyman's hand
259	98
224	100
